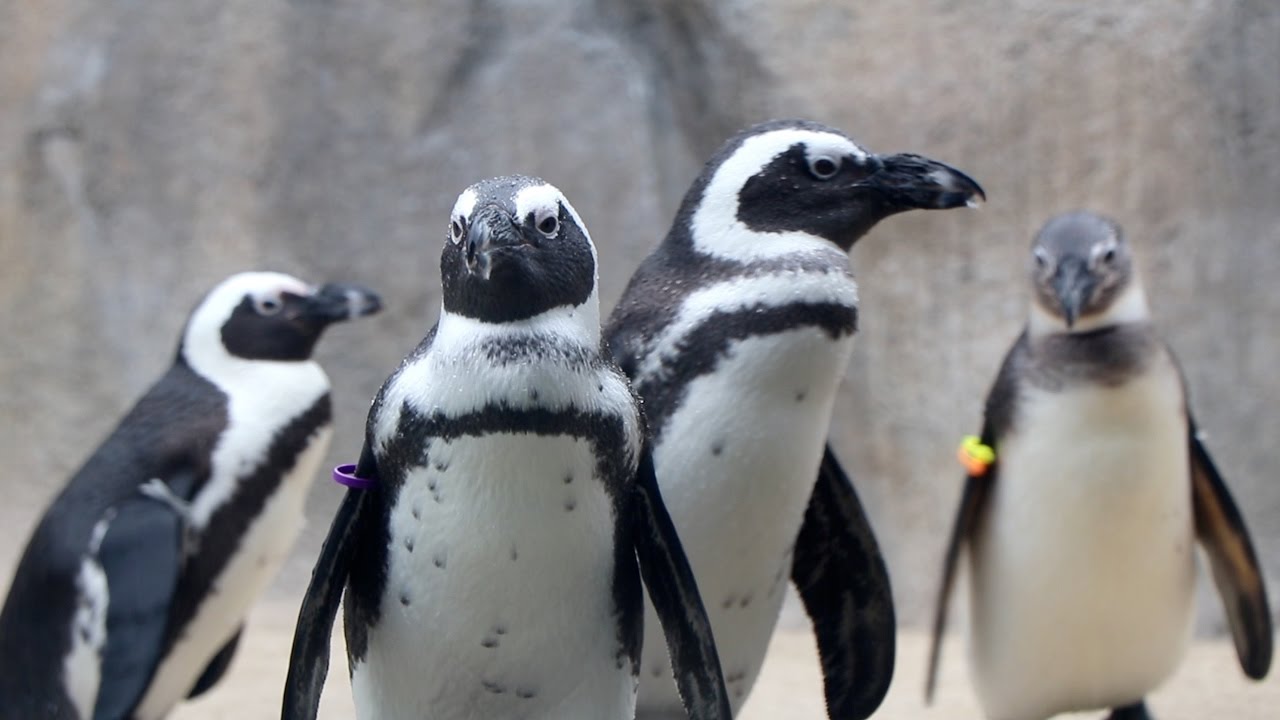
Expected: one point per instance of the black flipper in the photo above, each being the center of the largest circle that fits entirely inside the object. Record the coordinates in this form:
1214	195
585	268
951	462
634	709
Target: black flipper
844	583
972	501
674	594
141	557
217	667
1236	572
997	419
309	657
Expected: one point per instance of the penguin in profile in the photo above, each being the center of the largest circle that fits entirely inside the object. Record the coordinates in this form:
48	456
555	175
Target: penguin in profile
1081	525
133	589
736	332
493	568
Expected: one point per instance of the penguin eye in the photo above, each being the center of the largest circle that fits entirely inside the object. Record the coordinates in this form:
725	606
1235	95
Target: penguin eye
455	230
823	167
549	225
269	306
1103	255
1041	257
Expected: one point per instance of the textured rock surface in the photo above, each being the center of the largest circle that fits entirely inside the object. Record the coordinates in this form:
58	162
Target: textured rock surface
148	149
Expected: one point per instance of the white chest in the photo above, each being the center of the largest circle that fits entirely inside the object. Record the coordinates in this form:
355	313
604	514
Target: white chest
737	465
1086	553
499	593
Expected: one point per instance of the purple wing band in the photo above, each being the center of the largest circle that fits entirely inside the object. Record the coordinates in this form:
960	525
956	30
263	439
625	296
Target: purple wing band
346	475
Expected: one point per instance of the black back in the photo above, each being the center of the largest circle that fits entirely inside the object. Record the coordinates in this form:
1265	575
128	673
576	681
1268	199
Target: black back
169	433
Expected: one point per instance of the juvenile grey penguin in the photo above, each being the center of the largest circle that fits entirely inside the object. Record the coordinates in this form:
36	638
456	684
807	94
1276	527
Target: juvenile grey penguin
133	589
736	331
1082	530
493	569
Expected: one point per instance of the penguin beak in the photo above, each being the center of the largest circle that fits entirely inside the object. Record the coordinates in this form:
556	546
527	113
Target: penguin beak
1073	284
492	229
336	302
909	182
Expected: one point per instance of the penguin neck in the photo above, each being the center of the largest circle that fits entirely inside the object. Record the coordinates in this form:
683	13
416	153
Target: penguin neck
1129	307
576	324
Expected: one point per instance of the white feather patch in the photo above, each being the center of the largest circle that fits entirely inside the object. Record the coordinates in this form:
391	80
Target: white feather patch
456	377
715	225
499	589
737	465
82	666
775	289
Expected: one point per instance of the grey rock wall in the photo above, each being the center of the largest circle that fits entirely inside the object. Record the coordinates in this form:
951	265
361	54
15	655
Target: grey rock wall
149	149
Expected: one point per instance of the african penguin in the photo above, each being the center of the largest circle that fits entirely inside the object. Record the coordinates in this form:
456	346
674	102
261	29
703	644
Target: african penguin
133	589
736	332
1081	531
491	571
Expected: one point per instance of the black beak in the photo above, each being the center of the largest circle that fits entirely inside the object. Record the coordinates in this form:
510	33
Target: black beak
917	182
491	228
1073	284
336	302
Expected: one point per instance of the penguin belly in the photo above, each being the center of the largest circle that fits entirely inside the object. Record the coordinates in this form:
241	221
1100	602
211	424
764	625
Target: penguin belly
498	601
1083	569
261	552
737	463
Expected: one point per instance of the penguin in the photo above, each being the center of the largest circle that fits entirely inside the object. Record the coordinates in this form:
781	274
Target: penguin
1081	526
493	569
133	588
735	332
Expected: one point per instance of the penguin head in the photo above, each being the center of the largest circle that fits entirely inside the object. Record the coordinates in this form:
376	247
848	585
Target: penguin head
269	316
515	249
1082	275
785	182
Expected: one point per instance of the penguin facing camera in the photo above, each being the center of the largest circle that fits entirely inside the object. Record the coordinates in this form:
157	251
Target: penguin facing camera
1082	518
492	562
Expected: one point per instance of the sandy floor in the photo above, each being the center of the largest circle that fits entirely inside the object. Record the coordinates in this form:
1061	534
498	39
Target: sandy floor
1209	685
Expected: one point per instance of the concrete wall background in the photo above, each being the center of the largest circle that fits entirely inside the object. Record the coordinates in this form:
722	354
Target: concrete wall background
149	149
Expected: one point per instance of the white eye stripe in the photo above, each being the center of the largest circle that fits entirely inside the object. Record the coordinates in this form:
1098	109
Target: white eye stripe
1110	245
715	224
544	200
464	205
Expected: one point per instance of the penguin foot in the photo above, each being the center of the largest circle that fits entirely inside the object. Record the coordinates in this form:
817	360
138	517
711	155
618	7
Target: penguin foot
157	490
1136	711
